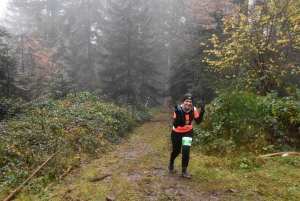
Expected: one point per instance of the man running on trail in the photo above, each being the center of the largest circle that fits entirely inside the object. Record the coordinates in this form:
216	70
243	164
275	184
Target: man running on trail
182	133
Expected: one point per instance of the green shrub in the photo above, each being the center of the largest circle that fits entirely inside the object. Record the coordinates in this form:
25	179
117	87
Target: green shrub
239	120
8	108
85	124
283	120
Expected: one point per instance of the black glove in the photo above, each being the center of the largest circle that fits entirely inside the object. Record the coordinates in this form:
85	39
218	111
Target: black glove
202	108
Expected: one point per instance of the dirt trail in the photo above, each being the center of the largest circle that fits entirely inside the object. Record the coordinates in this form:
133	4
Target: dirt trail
133	170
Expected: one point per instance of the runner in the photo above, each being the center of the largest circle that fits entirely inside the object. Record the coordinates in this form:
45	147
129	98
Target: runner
182	133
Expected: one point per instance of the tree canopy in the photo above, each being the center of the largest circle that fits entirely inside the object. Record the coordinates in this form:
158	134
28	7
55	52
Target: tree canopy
259	49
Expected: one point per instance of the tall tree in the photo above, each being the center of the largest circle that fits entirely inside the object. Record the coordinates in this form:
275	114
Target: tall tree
33	41
199	20
81	35
7	67
260	52
38	27
128	71
167	16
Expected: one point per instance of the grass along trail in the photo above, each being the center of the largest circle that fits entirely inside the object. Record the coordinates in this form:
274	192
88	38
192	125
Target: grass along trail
137	170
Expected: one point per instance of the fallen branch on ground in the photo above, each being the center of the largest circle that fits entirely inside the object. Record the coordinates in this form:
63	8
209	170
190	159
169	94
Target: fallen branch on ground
32	175
280	154
99	178
67	172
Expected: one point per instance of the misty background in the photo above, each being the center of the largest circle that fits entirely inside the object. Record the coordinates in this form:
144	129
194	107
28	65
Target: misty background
131	51
86	72
2	7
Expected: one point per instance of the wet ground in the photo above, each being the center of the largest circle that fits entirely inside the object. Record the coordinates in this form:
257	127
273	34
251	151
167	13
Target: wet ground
135	170
144	159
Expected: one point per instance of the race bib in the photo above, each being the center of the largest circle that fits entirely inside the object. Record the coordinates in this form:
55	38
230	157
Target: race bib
187	141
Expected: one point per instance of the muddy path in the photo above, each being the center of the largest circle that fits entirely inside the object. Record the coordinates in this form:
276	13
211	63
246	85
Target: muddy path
134	170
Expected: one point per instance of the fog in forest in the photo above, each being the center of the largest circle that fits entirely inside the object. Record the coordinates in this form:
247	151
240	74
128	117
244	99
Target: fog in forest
85	79
134	51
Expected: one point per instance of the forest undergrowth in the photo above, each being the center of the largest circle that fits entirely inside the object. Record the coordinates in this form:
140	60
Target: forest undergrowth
136	169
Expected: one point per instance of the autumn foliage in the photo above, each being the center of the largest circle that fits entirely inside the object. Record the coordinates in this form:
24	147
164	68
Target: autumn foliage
260	49
204	10
43	58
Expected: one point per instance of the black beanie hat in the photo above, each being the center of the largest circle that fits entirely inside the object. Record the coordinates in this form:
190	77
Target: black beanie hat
187	96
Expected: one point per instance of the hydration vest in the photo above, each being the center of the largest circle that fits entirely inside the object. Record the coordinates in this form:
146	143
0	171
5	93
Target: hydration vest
183	113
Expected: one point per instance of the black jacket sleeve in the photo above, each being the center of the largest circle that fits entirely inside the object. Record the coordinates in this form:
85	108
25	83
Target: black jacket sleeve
200	118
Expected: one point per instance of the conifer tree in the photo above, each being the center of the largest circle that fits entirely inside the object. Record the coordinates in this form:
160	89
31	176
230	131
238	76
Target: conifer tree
128	71
36	42
200	19
81	37
7	67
